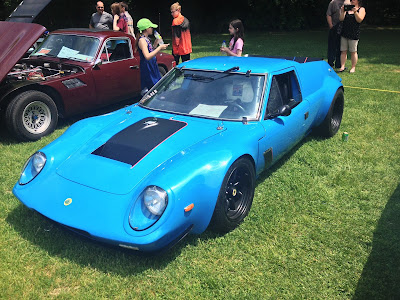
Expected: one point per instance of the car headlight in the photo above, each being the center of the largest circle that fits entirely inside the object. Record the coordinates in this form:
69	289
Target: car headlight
148	208
32	167
155	199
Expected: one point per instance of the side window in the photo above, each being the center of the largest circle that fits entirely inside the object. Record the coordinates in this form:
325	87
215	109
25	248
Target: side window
116	49
284	90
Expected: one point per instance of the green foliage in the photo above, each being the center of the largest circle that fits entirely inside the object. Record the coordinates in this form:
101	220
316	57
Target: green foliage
324	224
213	17
6	7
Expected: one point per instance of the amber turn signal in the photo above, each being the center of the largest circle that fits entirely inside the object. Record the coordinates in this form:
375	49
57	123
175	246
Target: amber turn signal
189	207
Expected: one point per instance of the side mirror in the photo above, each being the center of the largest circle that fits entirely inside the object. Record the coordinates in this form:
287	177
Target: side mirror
282	111
97	64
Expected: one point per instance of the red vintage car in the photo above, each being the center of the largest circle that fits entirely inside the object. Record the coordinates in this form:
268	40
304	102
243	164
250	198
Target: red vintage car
72	71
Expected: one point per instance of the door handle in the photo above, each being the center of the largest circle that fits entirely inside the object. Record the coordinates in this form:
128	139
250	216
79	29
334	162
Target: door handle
134	67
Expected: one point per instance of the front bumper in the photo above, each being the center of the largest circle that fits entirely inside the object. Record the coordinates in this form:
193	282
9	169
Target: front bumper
99	215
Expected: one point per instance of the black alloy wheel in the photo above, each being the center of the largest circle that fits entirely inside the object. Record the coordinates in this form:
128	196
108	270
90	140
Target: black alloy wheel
235	196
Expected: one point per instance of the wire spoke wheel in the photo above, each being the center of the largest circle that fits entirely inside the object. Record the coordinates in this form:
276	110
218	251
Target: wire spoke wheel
31	115
36	117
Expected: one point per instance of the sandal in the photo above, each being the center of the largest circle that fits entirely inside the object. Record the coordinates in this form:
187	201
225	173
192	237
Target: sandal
340	71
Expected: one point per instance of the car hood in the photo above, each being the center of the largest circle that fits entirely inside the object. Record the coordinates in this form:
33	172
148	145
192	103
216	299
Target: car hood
15	41
120	156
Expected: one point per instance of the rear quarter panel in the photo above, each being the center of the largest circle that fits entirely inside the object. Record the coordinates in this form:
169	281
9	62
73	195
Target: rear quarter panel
319	83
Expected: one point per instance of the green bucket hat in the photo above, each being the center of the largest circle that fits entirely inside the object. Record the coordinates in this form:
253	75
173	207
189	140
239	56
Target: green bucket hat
144	23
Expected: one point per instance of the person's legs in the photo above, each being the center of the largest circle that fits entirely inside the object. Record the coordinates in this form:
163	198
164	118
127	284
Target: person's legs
343	58
354	59
343	55
354	55
331	46
176	57
337	51
185	57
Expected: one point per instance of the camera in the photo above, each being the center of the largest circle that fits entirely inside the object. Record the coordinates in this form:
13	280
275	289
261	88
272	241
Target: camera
348	7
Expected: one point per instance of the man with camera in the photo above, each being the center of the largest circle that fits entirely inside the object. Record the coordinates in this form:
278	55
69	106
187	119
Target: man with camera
332	17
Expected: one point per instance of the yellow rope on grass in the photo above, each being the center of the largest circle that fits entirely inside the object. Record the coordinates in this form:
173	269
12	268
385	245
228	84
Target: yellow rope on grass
362	88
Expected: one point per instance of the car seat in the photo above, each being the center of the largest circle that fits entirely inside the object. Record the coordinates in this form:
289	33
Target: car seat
121	51
240	91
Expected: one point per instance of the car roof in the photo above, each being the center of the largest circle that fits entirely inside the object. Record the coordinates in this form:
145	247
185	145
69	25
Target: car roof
223	63
100	33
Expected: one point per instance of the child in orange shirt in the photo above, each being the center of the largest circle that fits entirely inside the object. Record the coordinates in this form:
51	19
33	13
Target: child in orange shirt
181	39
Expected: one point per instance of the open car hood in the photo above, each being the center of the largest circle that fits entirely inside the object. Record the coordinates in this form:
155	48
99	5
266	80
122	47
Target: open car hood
15	41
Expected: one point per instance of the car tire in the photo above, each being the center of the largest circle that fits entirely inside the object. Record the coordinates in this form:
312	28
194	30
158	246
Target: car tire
331	124
235	196
31	115
162	70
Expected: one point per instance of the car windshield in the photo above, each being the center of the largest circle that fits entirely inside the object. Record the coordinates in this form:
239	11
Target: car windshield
74	47
210	94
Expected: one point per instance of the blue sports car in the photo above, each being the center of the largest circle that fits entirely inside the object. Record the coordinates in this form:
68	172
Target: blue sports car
186	156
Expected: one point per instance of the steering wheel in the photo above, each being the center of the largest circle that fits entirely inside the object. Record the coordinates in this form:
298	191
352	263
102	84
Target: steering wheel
237	105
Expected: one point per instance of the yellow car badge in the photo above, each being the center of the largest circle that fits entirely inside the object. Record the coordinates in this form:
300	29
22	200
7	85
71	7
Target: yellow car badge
67	201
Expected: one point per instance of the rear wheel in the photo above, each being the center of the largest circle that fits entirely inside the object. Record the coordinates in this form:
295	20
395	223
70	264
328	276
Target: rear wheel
235	196
331	124
162	70
31	115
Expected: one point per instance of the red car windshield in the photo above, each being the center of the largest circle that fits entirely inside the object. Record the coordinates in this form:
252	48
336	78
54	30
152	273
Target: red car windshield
75	47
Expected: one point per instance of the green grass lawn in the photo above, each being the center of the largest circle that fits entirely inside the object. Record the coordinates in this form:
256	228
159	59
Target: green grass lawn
325	221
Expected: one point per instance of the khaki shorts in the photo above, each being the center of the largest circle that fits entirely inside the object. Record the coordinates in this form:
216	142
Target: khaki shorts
346	44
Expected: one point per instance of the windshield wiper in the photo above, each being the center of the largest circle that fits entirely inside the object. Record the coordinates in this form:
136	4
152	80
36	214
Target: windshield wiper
43	55
198	77
232	69
71	58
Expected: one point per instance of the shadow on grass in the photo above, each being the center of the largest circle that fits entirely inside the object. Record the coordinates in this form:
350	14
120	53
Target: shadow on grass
268	172
380	278
60	242
380	46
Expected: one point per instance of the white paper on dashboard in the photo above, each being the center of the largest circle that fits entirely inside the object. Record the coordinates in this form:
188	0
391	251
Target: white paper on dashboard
66	52
208	110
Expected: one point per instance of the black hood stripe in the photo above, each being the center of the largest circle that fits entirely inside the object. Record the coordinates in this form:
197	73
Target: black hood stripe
133	143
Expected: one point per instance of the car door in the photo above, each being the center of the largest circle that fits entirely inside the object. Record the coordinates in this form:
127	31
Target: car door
283	132
117	77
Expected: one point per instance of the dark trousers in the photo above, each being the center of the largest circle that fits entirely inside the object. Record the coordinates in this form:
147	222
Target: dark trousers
334	47
184	57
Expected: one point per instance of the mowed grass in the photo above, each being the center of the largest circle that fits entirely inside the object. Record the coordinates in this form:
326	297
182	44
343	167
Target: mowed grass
325	221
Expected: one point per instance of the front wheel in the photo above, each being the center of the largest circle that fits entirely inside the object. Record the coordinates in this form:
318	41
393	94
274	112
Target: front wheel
31	115
235	196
